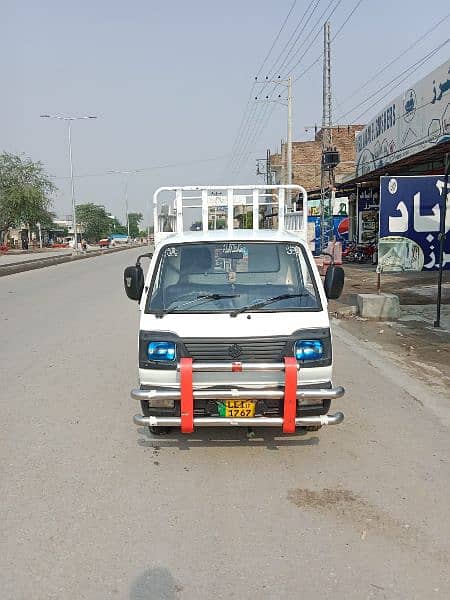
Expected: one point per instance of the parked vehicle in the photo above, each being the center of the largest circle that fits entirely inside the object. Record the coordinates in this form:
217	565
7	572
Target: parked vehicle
104	243
117	239
234	328
360	253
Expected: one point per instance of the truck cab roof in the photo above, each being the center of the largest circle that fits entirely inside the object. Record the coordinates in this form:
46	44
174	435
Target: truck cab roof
235	235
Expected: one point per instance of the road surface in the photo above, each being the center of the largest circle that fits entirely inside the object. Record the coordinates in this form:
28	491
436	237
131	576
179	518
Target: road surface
93	508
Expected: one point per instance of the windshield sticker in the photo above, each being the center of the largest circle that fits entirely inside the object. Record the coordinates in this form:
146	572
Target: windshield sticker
233	249
292	249
172	251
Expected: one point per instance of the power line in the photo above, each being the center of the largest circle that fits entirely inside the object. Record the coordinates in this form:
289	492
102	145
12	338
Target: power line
406	71
349	16
277	36
319	24
247	127
253	134
257	133
262	117
248	107
319	31
143	170
394	60
274	66
252	130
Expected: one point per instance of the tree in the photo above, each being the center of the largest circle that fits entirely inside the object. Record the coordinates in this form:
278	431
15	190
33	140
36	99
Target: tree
94	220
25	191
116	226
133	220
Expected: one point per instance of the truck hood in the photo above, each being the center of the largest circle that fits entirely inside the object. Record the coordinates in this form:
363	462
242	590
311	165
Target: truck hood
243	325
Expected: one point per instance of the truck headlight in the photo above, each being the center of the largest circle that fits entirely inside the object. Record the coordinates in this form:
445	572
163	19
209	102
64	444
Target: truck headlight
161	351
308	350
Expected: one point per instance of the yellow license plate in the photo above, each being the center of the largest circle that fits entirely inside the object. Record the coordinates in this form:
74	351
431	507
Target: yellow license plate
237	408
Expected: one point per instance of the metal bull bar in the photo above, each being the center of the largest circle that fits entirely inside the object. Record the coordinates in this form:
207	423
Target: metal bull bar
186	395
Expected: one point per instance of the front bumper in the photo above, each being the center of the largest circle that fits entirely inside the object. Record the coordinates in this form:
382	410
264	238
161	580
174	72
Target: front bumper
290	398
227	422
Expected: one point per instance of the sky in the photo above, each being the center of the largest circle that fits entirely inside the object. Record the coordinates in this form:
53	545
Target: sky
169	83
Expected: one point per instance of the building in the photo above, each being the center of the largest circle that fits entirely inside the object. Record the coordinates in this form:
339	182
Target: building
307	158
409	136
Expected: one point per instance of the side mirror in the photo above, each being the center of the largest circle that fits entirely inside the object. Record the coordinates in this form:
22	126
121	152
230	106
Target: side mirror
334	282
133	280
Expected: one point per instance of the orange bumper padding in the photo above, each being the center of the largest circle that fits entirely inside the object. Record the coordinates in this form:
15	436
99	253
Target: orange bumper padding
187	396
290	394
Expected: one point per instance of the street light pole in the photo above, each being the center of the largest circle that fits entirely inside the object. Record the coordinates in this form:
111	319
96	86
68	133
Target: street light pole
72	189
72	184
126	209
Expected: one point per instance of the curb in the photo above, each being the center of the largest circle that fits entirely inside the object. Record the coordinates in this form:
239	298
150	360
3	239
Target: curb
40	263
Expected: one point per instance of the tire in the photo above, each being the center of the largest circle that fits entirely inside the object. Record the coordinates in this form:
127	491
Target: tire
159	430
152	429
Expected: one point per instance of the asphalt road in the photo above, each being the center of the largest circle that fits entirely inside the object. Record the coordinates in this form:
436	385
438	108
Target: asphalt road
93	508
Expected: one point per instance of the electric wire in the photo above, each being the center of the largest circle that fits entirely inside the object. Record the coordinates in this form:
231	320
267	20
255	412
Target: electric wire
314	39
275	68
319	25
250	137
253	133
405	72
141	171
247	130
245	115
277	36
316	60
394	60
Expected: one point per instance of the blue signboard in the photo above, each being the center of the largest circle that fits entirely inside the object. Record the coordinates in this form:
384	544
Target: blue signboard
410	209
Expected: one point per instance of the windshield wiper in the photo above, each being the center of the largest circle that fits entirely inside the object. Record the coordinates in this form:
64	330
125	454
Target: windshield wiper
205	297
265	302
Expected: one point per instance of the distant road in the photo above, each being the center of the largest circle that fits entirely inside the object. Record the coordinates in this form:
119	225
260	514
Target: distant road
93	508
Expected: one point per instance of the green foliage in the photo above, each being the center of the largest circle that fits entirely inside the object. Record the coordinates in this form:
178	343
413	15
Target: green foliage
25	191
245	220
95	221
117	227
134	219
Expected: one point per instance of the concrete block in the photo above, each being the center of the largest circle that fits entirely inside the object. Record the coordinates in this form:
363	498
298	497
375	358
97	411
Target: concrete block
381	307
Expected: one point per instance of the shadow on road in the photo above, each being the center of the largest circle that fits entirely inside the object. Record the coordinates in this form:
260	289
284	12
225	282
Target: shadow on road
155	584
226	437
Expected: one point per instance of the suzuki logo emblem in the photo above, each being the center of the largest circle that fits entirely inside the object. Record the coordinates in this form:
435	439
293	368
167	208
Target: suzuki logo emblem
235	351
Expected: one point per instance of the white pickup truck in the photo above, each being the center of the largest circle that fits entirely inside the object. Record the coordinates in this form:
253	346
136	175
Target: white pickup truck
234	328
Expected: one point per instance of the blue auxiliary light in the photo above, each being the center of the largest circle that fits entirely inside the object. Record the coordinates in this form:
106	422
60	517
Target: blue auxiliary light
308	350
161	351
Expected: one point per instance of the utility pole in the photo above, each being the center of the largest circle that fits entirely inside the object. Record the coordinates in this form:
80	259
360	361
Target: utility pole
287	174
289	136
330	157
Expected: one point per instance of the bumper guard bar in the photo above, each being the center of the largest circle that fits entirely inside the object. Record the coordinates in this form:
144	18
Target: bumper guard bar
187	395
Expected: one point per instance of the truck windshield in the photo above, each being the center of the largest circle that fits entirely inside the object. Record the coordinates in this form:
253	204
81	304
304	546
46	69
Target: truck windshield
233	277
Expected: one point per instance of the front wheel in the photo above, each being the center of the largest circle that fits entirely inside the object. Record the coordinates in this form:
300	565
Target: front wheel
153	430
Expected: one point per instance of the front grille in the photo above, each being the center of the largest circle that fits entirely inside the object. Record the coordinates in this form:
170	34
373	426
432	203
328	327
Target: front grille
255	350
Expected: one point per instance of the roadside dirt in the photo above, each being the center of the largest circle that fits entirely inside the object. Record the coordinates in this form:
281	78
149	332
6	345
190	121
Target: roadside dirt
412	341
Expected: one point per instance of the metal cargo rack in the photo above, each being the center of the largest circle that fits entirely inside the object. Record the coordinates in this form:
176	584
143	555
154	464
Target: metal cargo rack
170	205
